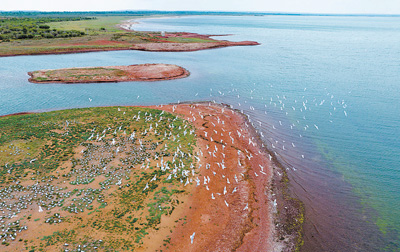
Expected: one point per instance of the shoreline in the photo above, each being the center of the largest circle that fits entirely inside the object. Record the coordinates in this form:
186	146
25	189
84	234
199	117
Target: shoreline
261	227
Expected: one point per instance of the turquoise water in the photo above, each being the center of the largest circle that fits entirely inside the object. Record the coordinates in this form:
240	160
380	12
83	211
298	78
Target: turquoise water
323	91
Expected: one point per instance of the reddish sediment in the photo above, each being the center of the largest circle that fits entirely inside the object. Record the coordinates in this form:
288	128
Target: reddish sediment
187	47
141	72
235	221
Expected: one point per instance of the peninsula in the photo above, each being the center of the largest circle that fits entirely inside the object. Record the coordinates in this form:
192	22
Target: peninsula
179	177
48	35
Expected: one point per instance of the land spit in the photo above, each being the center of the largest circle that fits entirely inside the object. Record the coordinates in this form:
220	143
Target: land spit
142	72
130	40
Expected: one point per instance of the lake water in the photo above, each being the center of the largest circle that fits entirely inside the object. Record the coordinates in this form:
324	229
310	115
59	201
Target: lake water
322	90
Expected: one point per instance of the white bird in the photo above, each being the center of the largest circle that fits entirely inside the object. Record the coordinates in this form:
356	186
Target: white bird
226	203
192	237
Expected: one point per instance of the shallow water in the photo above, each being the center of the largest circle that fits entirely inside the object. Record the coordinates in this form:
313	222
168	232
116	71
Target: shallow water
322	90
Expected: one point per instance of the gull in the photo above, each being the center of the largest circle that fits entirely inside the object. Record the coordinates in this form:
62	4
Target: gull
226	203
90	99
316	127
234	190
40	209
212	196
224	190
246	207
192	237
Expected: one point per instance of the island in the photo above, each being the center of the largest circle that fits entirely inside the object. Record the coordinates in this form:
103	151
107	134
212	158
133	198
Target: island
140	72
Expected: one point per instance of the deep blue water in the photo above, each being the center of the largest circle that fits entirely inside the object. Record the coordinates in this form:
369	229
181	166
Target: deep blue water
324	92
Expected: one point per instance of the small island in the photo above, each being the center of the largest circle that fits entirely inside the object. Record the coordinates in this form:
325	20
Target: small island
141	72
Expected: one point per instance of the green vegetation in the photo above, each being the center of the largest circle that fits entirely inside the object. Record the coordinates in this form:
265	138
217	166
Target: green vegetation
100	24
114	172
35	28
27	33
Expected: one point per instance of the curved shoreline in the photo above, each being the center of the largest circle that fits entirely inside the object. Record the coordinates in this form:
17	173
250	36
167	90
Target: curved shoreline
140	72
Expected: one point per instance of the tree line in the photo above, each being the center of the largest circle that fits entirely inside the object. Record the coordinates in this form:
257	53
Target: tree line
35	28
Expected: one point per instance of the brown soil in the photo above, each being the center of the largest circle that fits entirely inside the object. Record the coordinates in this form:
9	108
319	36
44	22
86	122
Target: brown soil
224	223
143	72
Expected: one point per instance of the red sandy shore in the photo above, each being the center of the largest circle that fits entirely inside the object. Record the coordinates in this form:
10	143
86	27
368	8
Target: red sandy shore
186	47
218	226
142	72
21	113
